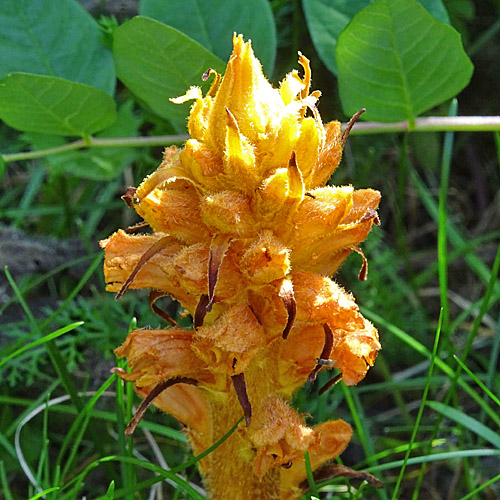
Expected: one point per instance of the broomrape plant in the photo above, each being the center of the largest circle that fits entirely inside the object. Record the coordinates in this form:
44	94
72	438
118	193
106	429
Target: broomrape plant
245	235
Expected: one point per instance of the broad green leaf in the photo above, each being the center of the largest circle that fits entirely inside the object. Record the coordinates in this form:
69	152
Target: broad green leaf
470	423
157	62
326	20
100	164
462	9
2	166
213	23
397	61
52	105
56	38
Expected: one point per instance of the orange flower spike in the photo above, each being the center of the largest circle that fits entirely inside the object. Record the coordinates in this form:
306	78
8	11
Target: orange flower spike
244	236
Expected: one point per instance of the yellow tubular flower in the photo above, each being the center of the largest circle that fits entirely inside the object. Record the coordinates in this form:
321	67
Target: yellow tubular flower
245	235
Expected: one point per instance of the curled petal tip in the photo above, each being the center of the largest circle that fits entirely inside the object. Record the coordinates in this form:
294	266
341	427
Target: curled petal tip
207	74
325	353
330	471
363	272
370	214
157	247
201	311
350	124
286	294
154	295
330	383
240	387
155	392
129	197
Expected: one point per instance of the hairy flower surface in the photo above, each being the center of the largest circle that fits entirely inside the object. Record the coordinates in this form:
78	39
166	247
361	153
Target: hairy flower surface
245	235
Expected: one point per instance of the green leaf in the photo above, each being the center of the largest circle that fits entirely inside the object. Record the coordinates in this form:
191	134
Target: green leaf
326	20
52	105
462	9
2	166
397	61
99	164
56	38
157	62
470	423
213	23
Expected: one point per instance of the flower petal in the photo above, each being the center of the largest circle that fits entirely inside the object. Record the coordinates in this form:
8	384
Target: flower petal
247	94
174	210
329	157
266	259
333	438
123	252
189	405
325	255
279	434
158	355
229	212
321	300
237	334
318	216
355	353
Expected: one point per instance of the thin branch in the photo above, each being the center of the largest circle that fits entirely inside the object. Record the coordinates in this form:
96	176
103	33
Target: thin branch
94	142
432	124
425	124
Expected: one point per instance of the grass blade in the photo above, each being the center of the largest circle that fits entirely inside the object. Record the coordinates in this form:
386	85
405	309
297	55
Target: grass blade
51	347
45	492
477	380
5	484
310	478
421	409
78	428
421	349
436	457
357	412
442	226
470	423
456	239
492	365
492	283
125	443
170	474
46	338
480	488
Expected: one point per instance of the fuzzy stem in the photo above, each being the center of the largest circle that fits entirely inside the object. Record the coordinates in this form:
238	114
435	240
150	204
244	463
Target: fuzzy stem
228	471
